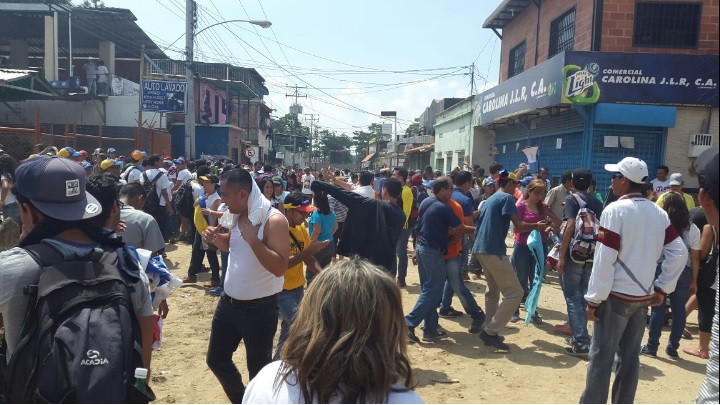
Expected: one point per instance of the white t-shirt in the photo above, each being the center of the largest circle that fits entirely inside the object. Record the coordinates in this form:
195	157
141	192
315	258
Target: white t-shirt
184	175
691	237
162	183
261	390
134	174
307	180
661	187
10	197
102	74
171	184
209	201
365	191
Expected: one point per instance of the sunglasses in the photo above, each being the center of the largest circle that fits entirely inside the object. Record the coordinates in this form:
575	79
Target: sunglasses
617	175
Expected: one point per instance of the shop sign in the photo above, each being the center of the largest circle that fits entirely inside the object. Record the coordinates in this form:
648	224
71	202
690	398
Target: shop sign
163	96
535	88
640	78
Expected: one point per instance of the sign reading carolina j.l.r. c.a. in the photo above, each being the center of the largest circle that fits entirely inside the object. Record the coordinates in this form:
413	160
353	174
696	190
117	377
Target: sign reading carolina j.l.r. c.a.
640	78
163	96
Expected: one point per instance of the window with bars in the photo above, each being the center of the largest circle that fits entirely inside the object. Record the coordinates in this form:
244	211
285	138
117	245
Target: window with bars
675	25
516	61
562	33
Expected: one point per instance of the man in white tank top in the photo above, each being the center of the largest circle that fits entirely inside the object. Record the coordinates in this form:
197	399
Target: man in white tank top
247	310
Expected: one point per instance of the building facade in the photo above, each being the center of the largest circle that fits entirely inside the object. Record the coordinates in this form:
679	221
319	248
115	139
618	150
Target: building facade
590	82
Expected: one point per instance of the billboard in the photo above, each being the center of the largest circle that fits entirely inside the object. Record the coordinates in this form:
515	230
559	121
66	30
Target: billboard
534	88
640	78
163	96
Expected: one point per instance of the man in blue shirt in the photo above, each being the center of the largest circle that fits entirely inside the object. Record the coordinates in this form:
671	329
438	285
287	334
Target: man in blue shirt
490	249
436	221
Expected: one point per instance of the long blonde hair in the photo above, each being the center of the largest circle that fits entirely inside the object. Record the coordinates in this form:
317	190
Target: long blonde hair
348	340
531	187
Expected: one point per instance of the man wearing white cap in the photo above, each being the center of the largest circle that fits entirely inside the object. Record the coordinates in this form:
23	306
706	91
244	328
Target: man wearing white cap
676	184
633	233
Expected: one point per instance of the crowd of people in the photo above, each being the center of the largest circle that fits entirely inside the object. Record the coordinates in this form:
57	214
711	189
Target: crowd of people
325	254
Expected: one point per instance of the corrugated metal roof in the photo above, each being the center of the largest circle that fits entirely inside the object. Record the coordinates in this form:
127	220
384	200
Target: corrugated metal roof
8	75
505	13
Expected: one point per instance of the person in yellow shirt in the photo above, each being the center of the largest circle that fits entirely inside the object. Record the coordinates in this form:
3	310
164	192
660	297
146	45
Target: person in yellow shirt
676	185
297	209
400	264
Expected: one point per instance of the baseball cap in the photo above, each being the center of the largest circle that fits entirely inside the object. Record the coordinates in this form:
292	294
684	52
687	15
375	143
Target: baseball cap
582	178
526	180
707	163
211	178
56	187
296	201
83	153
505	173
108	163
67	152
416	180
488	182
97	152
676	179
632	168
111	150
277	180
136	155
86	165
168	158
143	154
180	161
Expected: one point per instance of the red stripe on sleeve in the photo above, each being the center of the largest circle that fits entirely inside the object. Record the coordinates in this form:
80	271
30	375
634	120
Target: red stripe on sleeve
609	238
670	234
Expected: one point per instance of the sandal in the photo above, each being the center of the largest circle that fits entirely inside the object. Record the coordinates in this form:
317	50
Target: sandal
564	330
697	353
686	334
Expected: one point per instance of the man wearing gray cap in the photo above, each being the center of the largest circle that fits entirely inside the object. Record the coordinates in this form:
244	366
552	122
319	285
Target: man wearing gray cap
633	234
676	184
57	212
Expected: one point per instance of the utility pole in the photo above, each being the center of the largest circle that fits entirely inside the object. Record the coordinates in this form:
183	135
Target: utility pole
297	110
139	136
189	78
472	79
314	118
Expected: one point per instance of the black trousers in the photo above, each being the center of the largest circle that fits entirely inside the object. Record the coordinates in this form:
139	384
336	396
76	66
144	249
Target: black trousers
255	322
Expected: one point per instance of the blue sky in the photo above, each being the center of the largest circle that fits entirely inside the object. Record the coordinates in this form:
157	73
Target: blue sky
354	56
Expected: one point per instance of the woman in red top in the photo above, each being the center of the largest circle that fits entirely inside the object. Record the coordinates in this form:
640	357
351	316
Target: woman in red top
531	209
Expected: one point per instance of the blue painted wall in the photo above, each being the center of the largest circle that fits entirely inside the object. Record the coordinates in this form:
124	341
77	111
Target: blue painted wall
209	140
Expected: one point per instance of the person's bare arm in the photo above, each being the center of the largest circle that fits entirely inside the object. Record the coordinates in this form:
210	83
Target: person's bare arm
309	251
521	226
214	235
317	228
272	252
565	245
147	325
335	227
342	184
706	241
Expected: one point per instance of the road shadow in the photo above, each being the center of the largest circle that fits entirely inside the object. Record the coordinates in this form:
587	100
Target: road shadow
685	364
432	377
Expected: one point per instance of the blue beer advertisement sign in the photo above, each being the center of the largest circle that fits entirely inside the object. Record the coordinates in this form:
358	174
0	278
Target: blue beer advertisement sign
163	96
640	78
537	87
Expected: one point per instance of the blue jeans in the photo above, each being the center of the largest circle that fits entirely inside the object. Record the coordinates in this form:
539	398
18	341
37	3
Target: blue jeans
574	286
467	245
401	252
524	264
431	266
288	303
454	283
619	330
678	298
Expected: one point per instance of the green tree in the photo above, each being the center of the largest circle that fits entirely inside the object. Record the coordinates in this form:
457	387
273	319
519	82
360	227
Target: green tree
412	129
93	4
334	148
289	124
363	138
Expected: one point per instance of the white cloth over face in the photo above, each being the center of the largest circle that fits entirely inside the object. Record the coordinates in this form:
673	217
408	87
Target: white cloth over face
258	209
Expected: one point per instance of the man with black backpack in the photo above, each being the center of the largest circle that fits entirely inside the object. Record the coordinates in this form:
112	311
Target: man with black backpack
157	200
574	274
93	299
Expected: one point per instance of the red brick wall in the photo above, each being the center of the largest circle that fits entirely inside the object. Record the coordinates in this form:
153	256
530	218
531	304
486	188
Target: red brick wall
524	26
617	28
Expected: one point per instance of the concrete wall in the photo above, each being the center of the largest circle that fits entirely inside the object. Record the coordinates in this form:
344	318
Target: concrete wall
119	111
618	20
524	26
689	122
453	136
482	146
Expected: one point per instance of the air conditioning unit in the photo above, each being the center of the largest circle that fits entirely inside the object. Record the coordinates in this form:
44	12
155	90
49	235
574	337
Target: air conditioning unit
698	144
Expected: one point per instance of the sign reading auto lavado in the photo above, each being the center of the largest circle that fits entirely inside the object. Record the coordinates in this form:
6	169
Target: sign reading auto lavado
537	87
163	96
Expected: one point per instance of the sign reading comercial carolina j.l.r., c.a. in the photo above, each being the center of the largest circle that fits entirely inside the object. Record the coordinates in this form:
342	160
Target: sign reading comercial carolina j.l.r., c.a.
163	96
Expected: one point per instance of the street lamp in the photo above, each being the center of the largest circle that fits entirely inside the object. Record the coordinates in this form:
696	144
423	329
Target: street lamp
189	44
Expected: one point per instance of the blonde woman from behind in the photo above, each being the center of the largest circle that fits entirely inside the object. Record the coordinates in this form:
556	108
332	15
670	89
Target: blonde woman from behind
347	344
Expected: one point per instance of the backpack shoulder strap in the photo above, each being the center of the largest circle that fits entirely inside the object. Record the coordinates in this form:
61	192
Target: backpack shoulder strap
580	200
145	177
44	254
158	176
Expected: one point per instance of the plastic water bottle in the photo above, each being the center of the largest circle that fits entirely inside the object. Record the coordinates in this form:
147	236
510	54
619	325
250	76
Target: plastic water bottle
141	380
553	238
